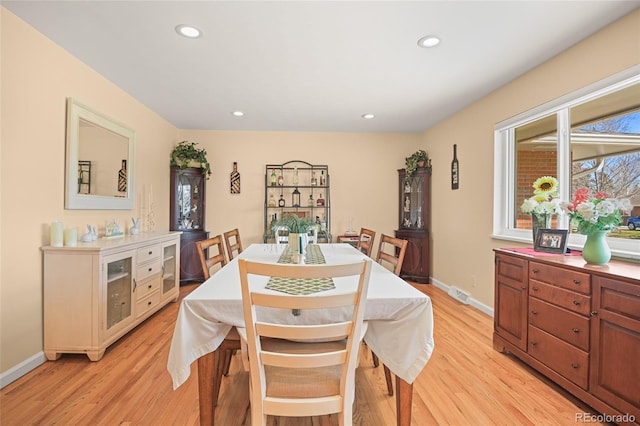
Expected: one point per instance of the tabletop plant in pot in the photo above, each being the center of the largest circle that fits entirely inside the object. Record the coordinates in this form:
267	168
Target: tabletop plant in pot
543	204
298	228
186	154
595	215
416	160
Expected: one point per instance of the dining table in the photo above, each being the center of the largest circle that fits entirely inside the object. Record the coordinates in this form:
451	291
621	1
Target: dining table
399	317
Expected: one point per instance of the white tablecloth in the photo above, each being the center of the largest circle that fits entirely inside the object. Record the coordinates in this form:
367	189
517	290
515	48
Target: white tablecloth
400	317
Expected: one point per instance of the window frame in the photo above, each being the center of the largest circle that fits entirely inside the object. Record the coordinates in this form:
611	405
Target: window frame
504	162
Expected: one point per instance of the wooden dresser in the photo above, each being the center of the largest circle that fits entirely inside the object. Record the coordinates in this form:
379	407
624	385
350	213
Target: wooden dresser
577	324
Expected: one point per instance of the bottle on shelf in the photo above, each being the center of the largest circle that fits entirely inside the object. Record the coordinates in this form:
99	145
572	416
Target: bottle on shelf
295	176
295	198
314	180
274	178
281	201
272	200
280	179
455	169
320	201
323	182
310	201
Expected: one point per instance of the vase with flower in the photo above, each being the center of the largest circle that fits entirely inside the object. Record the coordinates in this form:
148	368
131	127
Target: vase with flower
595	215
543	204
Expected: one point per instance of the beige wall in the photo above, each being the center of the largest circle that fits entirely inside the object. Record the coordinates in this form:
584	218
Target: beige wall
462	220
362	167
37	76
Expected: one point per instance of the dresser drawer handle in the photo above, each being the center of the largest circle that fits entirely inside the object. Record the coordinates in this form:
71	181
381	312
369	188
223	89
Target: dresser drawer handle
149	303
535	288
576	282
534	312
535	271
151	285
574	365
534	343
575	330
150	253
576	302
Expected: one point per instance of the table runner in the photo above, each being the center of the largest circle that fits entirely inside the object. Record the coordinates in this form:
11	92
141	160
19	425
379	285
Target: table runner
301	286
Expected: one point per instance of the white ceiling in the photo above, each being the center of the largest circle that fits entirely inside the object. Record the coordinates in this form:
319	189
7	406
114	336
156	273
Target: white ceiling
314	66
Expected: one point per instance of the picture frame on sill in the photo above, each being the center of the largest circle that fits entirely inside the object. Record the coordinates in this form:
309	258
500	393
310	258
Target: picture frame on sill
551	241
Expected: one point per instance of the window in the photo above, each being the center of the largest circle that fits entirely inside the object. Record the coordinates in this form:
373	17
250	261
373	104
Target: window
600	151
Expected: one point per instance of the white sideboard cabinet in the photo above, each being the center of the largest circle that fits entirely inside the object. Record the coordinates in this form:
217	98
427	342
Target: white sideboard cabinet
96	292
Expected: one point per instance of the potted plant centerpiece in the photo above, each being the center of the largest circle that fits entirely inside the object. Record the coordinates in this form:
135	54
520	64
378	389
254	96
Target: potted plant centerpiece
420	158
186	154
298	228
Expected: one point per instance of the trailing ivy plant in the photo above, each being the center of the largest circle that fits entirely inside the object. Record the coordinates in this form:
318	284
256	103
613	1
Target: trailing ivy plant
419	158
185	154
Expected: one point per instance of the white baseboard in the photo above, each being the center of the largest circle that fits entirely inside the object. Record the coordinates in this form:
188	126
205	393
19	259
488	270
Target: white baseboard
472	302
15	372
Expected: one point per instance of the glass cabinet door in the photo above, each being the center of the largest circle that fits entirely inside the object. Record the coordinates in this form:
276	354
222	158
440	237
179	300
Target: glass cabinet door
169	271
412	203
118	292
187	199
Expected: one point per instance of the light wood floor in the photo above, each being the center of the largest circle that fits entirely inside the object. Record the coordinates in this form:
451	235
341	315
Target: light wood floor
466	382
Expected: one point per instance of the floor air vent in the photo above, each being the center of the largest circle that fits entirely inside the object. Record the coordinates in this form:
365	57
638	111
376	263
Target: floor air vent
459	295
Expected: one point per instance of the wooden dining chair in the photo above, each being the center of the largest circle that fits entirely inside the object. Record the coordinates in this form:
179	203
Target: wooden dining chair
365	241
281	234
394	257
233	247
206	254
312	234
302	369
231	342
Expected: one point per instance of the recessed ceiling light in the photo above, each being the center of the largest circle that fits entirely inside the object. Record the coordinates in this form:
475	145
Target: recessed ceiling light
238	113
188	31
368	116
429	41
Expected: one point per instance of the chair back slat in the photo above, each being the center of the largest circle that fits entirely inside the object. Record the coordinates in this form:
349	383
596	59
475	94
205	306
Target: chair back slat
395	258
365	241
233	243
208	259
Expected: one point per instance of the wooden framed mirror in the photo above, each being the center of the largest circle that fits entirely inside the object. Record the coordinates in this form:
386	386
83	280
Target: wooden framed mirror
100	161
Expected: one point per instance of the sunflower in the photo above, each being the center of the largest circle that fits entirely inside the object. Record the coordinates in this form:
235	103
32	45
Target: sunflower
546	185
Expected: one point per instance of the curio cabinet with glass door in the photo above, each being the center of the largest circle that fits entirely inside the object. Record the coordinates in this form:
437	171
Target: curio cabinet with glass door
414	219
187	201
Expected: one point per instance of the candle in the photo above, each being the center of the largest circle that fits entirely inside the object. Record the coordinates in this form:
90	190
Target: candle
71	237
56	234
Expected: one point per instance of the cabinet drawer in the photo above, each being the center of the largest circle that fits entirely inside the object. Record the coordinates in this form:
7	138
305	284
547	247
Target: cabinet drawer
147	286
570	300
565	278
148	303
145	271
568	326
148	252
563	358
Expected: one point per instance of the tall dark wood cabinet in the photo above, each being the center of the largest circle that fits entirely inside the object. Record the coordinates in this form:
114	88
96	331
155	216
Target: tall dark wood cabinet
415	215
187	204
